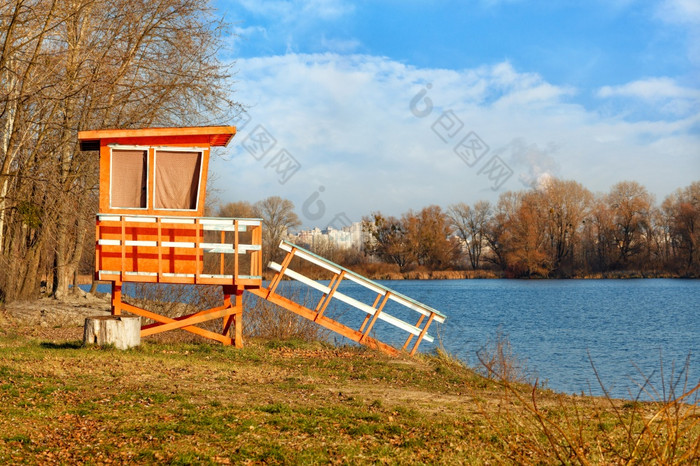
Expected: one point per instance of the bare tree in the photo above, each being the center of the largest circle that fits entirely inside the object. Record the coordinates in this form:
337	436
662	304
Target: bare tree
278	217
238	209
427	234
386	240
565	205
683	211
470	224
630	204
88	64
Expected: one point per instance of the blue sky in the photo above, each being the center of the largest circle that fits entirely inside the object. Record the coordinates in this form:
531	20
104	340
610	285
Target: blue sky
354	107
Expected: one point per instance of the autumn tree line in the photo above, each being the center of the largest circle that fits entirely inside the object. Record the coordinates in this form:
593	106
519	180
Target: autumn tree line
560	229
67	66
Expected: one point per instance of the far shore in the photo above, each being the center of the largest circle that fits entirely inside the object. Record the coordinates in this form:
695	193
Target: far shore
473	275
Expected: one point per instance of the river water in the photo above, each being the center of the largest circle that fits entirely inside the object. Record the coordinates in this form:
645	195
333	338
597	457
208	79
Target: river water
629	330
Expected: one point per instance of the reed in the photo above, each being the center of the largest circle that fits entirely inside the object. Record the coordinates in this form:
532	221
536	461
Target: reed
665	429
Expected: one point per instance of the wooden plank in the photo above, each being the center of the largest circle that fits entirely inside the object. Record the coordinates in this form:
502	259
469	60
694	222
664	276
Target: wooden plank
108	218
410	337
146	244
139	219
218	135
351	301
187	322
243	248
423	333
192	329
329	296
217	248
324	321
178	244
235	244
376	315
116	302
178	221
360	280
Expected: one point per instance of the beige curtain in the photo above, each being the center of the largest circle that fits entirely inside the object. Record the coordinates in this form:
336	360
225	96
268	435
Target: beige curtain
129	175
177	179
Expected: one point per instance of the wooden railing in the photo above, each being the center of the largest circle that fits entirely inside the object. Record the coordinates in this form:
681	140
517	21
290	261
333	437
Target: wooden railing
372	312
187	250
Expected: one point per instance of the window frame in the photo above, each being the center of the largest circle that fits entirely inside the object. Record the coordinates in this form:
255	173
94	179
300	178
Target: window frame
146	149
198	150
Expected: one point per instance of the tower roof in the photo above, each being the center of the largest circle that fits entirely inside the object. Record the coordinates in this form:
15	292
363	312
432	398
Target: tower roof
217	135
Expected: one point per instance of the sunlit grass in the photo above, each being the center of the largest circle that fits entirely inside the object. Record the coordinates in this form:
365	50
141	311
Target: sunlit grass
292	401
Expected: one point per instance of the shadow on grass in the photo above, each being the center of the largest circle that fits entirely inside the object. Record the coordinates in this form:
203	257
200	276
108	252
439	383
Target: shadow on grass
64	345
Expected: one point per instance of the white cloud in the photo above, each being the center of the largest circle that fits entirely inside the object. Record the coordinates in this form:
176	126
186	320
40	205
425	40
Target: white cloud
685	14
293	25
650	89
340	45
680	11
349	123
658	97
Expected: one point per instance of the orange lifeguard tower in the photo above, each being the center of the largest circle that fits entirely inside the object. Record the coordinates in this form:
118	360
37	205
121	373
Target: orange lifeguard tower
151	225
151	229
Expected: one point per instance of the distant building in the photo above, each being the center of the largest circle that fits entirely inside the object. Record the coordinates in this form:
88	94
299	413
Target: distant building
347	237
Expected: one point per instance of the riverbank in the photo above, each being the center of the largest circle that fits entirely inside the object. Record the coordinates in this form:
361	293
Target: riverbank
487	275
462	275
180	400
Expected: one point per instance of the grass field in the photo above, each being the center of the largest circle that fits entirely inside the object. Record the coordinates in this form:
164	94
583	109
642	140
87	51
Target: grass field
293	402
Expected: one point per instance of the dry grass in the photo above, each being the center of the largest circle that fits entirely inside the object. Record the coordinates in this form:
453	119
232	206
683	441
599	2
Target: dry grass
281	401
557	429
499	361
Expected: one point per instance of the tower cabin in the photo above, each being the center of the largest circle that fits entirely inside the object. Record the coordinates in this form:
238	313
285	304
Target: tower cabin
151	226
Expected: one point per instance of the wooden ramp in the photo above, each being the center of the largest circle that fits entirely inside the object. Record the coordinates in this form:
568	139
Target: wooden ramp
372	313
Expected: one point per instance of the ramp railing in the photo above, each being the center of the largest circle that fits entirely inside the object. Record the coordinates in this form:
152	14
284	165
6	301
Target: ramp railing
372	312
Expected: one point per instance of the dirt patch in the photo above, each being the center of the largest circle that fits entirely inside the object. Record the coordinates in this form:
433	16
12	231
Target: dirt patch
53	313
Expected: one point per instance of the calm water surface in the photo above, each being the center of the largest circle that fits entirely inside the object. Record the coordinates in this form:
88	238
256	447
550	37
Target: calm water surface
626	328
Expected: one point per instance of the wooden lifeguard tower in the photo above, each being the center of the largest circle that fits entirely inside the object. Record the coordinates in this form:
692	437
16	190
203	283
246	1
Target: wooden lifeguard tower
151	228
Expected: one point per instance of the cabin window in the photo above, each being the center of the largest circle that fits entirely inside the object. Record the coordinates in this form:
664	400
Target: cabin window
129	179
178	175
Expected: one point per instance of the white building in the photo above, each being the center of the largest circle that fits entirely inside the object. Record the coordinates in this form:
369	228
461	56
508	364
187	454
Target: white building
347	237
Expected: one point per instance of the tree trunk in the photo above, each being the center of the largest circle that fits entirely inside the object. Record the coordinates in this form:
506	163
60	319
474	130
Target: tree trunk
121	331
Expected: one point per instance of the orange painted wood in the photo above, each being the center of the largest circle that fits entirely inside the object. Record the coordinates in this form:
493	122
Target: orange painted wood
148	258
215	135
410	336
198	313
272	287
368	317
104	179
229	319
334	287
376	315
116	298
422	334
97	250
236	318
324	321
192	329
190	320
